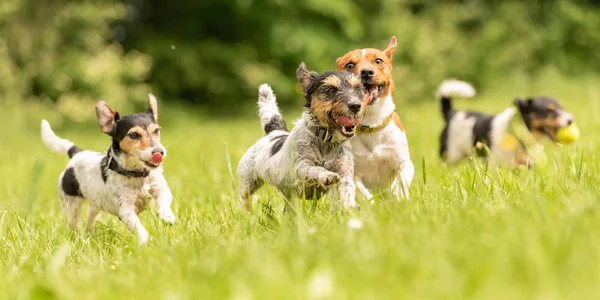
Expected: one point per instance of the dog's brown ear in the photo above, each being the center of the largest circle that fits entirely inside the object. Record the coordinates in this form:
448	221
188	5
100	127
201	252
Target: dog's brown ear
107	117
153	107
305	77
337	62
389	51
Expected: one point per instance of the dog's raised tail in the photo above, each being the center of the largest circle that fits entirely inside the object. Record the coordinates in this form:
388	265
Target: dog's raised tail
268	112
55	143
453	88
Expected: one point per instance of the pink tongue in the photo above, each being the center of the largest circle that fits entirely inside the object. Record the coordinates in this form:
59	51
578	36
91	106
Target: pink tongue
345	121
371	95
157	158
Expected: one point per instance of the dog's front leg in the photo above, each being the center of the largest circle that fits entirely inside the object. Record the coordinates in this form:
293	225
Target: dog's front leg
129	217
159	189
308	172
363	189
347	189
404	178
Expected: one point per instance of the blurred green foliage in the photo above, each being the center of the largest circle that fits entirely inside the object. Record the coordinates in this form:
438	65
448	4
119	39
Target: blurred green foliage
215	53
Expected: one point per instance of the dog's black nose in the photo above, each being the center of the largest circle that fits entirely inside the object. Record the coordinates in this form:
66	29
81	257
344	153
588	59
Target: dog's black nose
367	73
354	107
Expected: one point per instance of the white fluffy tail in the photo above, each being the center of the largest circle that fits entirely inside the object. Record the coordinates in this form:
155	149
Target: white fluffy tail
268	112
55	143
455	88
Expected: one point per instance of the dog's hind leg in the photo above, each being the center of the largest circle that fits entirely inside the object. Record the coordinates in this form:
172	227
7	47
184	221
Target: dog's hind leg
247	188
72	206
93	213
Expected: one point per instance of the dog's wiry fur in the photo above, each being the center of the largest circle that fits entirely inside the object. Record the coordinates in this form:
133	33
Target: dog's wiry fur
315	155
381	158
543	116
119	181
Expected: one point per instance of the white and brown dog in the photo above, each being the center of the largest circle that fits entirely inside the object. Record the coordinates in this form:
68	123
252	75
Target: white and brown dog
381	155
119	181
315	156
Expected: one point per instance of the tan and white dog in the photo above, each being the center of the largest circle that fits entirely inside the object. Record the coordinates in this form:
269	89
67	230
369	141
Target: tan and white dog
380	147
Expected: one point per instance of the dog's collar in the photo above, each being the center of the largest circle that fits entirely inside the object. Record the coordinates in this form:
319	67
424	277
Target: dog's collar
368	129
327	135
110	163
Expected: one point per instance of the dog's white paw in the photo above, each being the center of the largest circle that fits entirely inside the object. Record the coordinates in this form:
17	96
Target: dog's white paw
167	215
143	238
328	178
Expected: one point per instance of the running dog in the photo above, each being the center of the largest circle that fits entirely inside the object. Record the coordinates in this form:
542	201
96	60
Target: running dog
119	181
315	155
381	156
467	132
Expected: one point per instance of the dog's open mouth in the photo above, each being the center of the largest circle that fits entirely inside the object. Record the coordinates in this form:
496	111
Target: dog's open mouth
373	90
347	124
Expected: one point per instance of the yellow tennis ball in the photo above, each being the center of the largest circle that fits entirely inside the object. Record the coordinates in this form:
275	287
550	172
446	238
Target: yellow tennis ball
568	135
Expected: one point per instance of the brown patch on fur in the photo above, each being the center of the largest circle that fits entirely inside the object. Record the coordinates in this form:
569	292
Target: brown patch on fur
332	81
397	121
322	107
383	71
354	81
541	127
551	106
129	145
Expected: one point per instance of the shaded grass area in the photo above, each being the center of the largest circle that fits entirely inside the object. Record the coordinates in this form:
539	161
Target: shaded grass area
468	232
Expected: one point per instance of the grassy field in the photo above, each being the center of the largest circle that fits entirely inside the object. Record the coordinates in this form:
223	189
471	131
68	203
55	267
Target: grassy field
468	231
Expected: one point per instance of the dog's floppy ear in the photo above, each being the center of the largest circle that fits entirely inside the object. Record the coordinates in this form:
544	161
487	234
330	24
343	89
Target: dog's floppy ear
518	102
305	77
153	107
389	51
107	117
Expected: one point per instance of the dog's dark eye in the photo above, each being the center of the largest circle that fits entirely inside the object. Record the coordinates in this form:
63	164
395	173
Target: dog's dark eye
331	90
378	61
134	135
349	66
156	131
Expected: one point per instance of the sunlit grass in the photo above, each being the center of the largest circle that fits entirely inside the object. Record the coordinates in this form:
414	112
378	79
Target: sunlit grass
469	231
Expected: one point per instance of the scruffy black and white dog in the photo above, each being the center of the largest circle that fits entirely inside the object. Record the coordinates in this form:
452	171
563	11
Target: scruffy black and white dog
121	180
315	155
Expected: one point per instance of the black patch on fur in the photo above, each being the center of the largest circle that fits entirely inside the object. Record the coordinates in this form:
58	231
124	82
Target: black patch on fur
276	123
538	107
69	184
278	143
103	168
317	83
124	124
447	109
482	127
444	142
73	150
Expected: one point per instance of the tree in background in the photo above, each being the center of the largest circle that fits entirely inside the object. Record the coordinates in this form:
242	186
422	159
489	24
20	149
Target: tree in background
214	53
62	52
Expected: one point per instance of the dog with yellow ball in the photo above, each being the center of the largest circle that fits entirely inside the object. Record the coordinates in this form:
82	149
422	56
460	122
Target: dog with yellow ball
514	136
